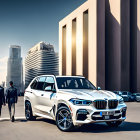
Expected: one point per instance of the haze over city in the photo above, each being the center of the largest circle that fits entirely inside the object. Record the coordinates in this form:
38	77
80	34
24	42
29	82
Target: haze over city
26	23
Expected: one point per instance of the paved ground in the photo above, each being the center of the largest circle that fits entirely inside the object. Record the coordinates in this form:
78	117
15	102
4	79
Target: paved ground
19	110
43	129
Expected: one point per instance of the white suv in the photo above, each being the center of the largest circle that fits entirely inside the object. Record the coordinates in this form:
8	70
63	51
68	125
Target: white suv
72	101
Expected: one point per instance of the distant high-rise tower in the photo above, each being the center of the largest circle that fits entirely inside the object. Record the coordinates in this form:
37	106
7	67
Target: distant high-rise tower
41	59
15	68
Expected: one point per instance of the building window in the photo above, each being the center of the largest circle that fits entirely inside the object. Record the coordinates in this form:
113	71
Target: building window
64	50
85	43
74	46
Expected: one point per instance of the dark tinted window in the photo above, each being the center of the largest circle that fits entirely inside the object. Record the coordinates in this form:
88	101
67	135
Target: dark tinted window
33	85
40	83
74	83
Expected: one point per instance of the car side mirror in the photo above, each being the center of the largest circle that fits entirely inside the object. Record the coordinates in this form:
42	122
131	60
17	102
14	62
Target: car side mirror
98	88
54	90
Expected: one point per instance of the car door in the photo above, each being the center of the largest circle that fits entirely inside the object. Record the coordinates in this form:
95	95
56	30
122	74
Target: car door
38	93
48	97
34	94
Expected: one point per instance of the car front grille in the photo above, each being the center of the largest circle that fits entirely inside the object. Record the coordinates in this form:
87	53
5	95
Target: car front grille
102	104
112	104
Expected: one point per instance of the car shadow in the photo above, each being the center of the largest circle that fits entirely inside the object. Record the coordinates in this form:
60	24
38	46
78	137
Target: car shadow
20	120
46	120
101	127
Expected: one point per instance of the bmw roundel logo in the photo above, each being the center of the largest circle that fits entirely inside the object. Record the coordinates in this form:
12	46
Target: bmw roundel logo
105	99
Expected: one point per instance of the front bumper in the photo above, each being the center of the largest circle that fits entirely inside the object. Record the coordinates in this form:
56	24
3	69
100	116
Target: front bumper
89	114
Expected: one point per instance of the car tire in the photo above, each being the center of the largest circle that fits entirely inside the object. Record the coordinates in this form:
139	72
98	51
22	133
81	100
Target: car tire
114	123
64	119
28	112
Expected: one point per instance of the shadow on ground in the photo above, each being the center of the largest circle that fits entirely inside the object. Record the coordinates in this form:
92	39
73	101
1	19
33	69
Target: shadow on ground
16	120
91	128
101	127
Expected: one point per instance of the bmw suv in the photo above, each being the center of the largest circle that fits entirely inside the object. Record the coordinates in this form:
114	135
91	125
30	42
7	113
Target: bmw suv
72	101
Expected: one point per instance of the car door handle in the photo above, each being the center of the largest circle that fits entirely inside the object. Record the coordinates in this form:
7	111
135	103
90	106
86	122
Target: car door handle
42	94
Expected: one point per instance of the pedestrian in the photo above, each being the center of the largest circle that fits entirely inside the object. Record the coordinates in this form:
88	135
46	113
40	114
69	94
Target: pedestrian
11	99
2	98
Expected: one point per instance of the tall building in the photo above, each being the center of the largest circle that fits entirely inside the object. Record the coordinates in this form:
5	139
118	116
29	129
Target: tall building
15	68
41	59
82	42
101	40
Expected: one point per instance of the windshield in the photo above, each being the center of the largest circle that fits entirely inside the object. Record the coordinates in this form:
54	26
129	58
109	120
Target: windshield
74	83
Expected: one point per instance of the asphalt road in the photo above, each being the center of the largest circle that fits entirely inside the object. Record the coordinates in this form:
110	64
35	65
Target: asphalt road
43	129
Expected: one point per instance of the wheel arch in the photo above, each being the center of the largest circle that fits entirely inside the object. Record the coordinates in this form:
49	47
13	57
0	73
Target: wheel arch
60	104
27	100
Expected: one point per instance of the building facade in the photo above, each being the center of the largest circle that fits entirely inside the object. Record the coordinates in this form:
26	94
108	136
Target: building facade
15	68
41	59
101	41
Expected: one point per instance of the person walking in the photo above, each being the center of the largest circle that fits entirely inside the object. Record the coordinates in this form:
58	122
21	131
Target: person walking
2	98
11	99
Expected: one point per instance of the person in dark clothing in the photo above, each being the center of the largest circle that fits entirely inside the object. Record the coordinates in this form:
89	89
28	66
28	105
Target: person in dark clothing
2	98
11	99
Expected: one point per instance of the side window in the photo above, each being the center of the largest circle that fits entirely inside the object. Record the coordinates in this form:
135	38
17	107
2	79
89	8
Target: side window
33	85
40	83
49	82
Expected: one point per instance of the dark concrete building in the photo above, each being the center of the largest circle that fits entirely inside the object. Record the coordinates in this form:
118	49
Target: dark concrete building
122	45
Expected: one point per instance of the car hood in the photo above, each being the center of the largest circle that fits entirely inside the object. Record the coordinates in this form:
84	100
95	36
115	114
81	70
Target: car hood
90	94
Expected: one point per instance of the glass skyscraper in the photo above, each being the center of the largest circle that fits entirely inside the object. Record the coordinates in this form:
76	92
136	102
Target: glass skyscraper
15	68
41	59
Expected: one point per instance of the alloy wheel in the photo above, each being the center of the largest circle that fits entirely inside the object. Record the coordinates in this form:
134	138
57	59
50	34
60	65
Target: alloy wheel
64	120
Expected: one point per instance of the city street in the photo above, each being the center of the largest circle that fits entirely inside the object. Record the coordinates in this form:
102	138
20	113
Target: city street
43	129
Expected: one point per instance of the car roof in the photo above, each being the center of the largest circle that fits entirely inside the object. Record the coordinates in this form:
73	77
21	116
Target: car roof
71	76
60	76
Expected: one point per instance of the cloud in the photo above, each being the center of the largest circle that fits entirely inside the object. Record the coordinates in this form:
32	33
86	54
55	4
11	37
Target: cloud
3	68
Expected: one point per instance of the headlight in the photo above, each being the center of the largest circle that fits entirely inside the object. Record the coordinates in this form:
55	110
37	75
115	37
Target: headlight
121	101
80	102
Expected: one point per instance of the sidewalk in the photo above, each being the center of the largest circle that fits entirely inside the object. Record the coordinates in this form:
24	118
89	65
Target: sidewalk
19	110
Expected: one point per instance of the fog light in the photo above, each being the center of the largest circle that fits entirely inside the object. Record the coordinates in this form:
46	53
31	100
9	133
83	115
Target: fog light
82	114
124	112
